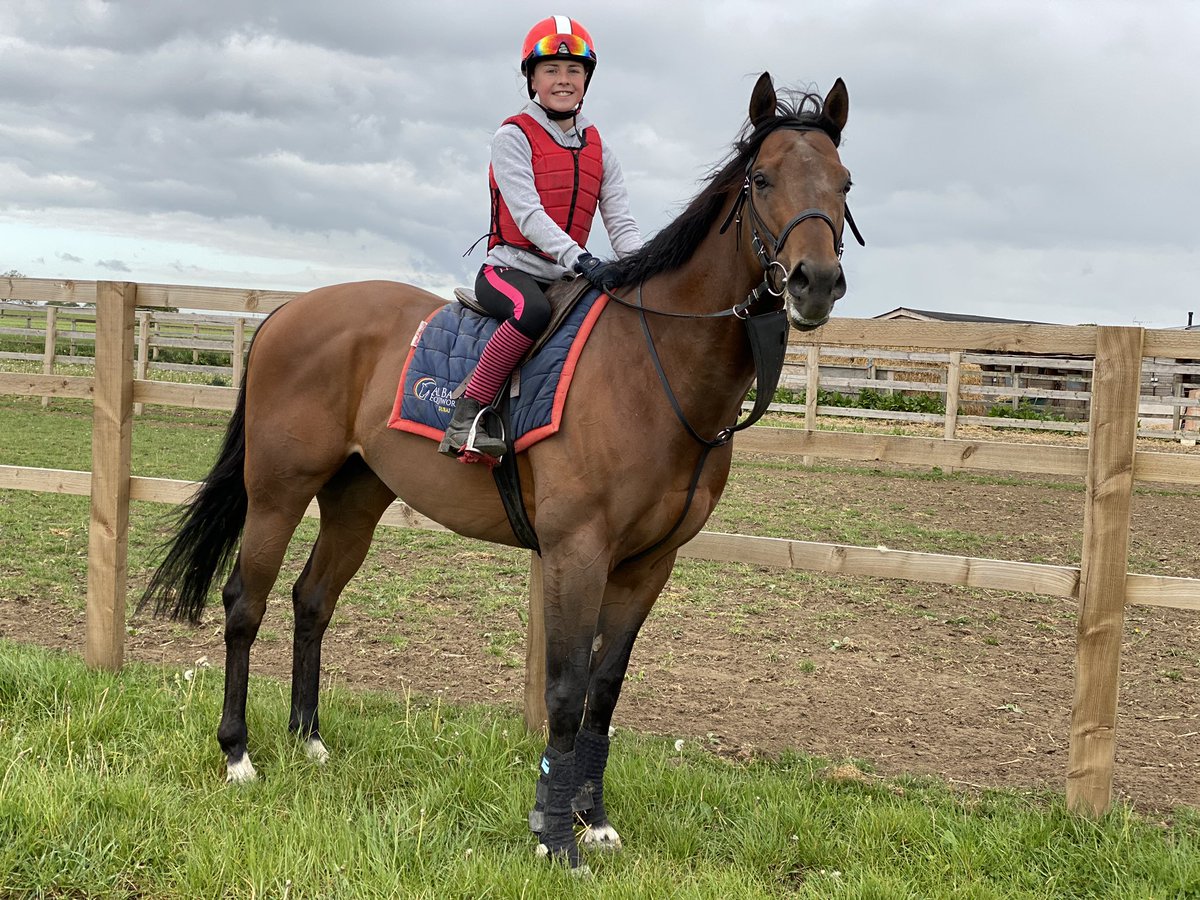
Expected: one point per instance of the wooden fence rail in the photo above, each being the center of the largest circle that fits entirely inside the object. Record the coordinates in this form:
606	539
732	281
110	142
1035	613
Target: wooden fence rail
1110	466
1169	402
155	330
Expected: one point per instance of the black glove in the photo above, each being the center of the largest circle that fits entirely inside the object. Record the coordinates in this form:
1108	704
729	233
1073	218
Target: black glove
604	275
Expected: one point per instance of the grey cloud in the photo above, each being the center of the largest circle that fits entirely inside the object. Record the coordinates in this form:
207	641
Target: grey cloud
1030	132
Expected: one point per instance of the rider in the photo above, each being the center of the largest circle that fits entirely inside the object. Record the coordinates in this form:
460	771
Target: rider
549	174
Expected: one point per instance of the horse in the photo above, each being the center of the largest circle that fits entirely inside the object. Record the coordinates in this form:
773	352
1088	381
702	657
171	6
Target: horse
629	477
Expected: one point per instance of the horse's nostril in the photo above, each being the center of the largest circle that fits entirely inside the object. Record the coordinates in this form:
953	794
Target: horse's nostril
816	279
798	281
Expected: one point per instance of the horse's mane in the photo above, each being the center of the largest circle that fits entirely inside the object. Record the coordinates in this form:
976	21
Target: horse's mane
674	245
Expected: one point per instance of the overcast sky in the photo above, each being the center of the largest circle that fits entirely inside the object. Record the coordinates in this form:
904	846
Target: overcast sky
1036	160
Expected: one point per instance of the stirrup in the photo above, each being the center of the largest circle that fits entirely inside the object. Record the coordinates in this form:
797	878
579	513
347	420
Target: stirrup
468	451
474	431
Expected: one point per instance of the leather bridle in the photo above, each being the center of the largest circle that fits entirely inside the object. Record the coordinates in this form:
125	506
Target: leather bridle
767	251
766	330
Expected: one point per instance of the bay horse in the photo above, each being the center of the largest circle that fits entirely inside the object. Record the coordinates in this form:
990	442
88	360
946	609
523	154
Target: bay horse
611	496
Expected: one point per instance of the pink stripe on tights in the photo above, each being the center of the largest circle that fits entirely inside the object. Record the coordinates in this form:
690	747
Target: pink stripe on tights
500	356
518	302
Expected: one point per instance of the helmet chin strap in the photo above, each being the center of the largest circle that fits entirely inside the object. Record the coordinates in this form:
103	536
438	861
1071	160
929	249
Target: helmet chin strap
556	116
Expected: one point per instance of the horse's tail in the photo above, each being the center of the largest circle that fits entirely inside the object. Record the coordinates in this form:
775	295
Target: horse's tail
208	526
207	530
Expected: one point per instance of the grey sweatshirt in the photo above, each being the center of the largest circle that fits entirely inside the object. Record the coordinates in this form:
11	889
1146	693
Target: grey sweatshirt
512	165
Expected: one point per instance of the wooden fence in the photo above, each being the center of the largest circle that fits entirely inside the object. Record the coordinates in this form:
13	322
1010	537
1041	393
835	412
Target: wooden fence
206	338
981	388
1110	466
974	388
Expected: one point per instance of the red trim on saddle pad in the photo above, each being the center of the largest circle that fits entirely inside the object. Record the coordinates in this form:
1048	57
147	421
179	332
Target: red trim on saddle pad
395	420
527	440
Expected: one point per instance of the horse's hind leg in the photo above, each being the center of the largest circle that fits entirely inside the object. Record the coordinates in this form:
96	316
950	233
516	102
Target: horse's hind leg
269	527
351	505
630	593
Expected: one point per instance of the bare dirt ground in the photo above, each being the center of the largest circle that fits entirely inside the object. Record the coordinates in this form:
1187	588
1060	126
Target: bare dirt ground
972	686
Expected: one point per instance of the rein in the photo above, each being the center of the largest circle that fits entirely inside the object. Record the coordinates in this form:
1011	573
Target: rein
766	331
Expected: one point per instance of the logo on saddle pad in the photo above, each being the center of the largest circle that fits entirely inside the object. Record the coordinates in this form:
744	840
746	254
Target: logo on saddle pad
428	390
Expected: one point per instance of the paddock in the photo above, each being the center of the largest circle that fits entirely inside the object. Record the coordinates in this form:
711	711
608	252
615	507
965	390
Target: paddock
1102	584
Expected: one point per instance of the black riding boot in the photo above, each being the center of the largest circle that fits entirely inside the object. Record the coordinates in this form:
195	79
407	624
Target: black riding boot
471	416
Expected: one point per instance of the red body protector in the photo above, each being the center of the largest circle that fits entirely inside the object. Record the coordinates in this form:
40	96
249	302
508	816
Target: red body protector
567	180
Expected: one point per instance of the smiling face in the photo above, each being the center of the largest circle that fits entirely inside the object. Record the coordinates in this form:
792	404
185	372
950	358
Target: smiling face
558	84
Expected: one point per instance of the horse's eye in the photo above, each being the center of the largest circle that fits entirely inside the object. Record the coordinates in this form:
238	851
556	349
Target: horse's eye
760	180
849	184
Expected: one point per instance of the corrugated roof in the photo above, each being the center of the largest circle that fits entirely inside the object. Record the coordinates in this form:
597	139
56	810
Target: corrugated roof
933	315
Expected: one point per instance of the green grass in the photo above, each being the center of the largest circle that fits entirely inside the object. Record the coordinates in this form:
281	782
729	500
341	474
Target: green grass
111	787
167	442
44	534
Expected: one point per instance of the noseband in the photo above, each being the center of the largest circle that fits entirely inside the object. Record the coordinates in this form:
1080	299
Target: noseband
768	251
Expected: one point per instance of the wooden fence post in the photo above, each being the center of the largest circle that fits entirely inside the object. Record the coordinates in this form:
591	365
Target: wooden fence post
535	651
812	390
237	357
112	427
51	348
1177	409
1112	432
953	384
142	368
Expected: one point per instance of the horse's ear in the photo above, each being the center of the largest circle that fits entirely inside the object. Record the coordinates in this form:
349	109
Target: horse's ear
762	101
837	104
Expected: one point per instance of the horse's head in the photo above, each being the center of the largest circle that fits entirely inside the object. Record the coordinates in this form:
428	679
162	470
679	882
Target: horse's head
796	193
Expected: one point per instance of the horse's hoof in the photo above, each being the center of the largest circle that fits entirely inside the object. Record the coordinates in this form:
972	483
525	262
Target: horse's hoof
240	772
601	837
581	871
315	749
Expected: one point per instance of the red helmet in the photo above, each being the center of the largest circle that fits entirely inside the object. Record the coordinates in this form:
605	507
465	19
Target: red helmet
557	37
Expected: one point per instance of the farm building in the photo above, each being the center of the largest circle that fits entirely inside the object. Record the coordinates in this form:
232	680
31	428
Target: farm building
1166	383
1067	375
929	315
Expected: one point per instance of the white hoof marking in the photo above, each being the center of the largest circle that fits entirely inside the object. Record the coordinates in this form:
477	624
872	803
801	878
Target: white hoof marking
241	771
315	749
601	837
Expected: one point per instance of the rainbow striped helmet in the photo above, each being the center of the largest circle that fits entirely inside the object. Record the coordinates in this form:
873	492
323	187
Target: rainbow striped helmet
557	37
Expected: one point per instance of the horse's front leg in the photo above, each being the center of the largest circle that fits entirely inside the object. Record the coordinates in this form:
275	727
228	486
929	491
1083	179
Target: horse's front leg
572	592
628	597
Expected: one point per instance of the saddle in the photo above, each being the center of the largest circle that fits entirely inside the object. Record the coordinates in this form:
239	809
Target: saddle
563	296
443	354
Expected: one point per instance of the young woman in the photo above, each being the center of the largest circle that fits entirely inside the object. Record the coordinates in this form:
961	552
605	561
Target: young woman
549	175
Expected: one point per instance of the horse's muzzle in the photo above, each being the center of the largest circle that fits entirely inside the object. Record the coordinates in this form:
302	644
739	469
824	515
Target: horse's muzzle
812	289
